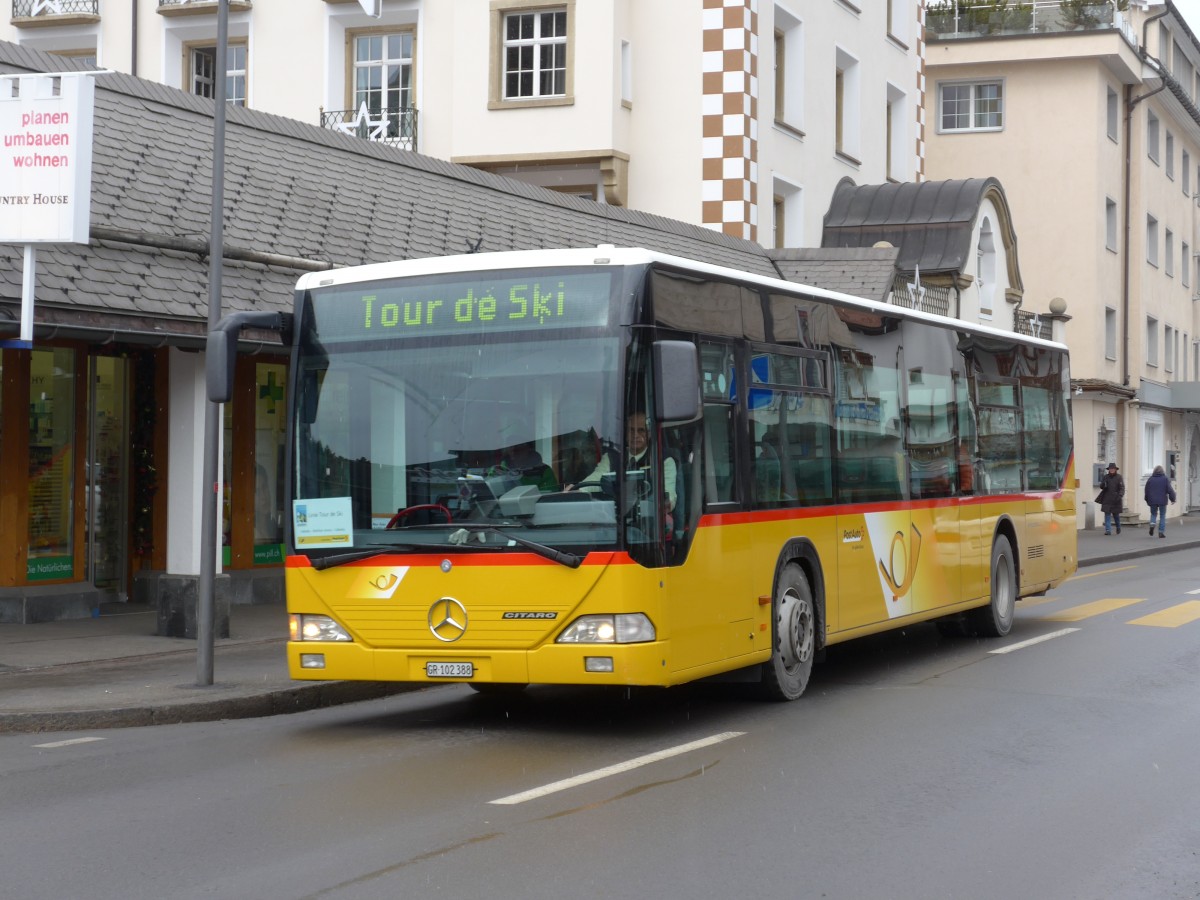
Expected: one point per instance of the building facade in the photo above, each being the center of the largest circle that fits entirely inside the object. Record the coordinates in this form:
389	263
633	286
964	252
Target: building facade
1090	119
739	115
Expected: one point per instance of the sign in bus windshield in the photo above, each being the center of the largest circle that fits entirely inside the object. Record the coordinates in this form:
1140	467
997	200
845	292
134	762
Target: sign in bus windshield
490	302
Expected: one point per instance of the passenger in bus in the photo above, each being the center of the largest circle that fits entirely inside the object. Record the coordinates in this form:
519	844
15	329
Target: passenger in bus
524	460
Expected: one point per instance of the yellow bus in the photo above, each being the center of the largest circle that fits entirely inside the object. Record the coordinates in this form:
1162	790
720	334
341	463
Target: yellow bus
617	467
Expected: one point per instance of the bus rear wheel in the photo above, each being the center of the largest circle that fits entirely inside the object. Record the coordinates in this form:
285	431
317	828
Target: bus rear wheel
794	632
996	619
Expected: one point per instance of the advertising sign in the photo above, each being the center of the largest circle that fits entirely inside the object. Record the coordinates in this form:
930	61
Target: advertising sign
45	158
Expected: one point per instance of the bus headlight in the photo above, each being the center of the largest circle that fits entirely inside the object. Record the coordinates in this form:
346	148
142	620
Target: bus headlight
315	628
632	628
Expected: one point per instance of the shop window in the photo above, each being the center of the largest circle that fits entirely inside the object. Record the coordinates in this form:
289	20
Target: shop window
269	437
51	465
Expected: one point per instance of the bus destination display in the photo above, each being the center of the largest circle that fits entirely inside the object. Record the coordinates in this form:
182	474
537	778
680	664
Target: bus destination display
489	304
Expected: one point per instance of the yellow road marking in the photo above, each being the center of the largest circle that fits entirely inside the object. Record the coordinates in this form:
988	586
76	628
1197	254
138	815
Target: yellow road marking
1087	610
1101	572
1172	617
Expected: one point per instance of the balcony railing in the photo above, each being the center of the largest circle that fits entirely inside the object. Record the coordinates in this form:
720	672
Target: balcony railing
29	9
950	19
395	127
1031	323
930	298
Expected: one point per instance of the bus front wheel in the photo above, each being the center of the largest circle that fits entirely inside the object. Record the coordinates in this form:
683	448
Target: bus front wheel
794	632
996	619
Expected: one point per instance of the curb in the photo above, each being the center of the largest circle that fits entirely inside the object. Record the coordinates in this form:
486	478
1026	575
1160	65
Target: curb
1147	550
272	702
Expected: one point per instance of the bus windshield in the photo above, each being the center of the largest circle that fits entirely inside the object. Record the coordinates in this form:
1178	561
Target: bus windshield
447	413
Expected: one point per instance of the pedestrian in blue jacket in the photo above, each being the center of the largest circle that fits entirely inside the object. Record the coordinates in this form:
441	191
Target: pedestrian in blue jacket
1158	492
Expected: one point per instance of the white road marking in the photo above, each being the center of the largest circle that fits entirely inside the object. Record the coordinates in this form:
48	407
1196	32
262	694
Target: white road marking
55	744
1037	640
1196	591
617	769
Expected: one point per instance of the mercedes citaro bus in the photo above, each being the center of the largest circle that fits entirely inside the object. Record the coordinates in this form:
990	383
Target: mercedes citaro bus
617	467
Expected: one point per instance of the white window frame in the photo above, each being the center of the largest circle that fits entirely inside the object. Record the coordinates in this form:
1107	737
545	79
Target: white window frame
792	195
789	111
1110	333
1113	115
1169	252
1185	173
1152	129
847	105
1185	254
1151	342
1169	153
1168	349
538	43
898	165
237	52
1110	224
1152	442
1152	240
973	101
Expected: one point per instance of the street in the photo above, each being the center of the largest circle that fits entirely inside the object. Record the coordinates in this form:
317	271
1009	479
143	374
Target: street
918	765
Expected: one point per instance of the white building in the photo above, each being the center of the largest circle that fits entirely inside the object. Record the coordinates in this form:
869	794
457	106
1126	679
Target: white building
1091	122
741	115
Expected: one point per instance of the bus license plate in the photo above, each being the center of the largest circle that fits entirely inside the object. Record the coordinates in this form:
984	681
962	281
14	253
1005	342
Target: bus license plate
449	669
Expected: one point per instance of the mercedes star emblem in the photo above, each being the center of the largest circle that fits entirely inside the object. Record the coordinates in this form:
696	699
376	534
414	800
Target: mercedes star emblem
448	620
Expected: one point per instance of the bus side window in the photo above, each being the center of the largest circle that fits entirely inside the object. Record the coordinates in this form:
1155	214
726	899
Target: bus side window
720	399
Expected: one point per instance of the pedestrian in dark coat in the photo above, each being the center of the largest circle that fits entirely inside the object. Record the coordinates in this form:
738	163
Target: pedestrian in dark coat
1158	492
1112	498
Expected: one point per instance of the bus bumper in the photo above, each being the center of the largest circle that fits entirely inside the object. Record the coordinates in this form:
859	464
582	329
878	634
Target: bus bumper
581	664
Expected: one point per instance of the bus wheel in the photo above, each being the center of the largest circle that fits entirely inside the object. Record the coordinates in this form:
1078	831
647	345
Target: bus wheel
786	674
996	619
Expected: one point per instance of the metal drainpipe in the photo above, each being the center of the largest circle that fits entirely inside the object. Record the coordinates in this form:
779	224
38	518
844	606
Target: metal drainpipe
133	38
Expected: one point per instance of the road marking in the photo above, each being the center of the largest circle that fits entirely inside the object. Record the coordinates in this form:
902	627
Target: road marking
55	744
1037	640
1087	610
1101	572
617	769
1196	591
1171	617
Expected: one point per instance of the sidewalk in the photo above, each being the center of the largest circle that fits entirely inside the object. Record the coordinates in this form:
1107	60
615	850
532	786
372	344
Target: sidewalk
113	671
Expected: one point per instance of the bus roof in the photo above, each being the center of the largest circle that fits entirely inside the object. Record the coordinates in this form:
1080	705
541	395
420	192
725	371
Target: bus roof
608	255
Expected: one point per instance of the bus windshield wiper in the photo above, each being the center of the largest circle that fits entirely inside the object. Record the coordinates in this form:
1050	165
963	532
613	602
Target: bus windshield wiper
465	531
337	559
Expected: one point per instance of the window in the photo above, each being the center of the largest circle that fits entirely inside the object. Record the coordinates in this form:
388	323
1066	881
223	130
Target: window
1110	333
1170	156
1184	256
898	167
383	81
972	107
1110	224
1152	135
1113	114
846	106
788	213
898	17
789	69
203	68
1152	240
1151	341
535	54
1185	173
1168	349
1169	252
1152	445
626	73
53	446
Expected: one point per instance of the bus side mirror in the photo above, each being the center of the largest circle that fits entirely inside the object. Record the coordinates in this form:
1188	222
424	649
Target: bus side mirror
220	352
676	381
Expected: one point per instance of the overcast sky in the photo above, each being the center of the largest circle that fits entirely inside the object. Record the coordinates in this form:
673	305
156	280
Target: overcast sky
1190	9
